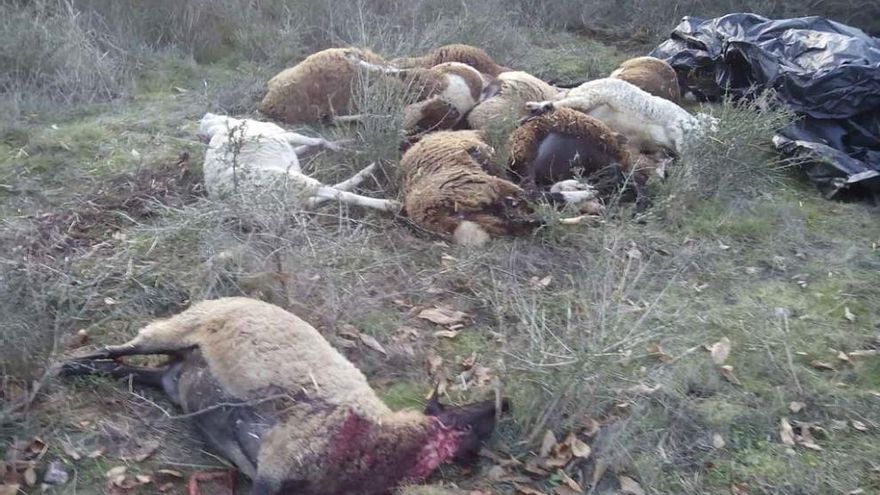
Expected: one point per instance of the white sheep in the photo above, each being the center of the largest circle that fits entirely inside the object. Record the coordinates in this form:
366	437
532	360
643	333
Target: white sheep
249	157
647	121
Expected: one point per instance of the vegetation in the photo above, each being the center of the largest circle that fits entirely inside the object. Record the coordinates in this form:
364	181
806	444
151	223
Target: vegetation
596	329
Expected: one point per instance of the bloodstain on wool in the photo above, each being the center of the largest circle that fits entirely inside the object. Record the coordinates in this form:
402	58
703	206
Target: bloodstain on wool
440	446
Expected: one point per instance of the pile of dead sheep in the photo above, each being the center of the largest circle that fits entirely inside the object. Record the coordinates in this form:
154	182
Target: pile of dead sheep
263	386
577	147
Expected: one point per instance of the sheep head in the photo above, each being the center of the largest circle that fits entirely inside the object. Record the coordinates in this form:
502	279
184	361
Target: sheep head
476	421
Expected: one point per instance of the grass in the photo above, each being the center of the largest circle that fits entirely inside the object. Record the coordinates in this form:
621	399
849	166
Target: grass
105	227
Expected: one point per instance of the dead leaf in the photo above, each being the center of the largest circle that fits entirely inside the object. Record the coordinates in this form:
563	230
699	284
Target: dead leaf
812	446
70	451
96	453
858	425
469	362
434	362
443	315
857	491
727	374
786	433
579	449
796	407
481	376
739	489
446	334
406	333
348	331
629	486
145	450
821	365
643	389
565	490
590	427
598	472
569	482
372	343
720	351
843	357
143	479
848	314
865	353
112	473
718	441
170	472
657	351
30	476
542	283
525	490
547	443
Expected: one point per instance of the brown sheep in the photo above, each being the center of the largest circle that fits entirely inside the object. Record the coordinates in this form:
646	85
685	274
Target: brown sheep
652	75
449	192
316	89
505	97
564	144
274	397
465	54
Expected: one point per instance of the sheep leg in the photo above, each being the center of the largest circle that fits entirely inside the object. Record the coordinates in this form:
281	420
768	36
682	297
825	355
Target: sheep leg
325	193
356	179
148	377
319	143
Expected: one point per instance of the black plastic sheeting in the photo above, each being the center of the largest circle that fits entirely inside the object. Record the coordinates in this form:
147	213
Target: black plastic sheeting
827	72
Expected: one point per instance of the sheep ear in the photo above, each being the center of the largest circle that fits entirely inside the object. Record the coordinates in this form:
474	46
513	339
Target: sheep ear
434	407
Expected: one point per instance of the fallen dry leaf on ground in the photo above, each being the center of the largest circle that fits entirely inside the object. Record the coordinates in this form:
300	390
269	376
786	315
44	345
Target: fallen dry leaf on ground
372	343
446	334
718	441
858	425
821	365
848	314
547	443
30	477
443	315
786	433
541	283
526	490
727	373
569	482
720	351
629	486
796	407
145	450
657	351
434	362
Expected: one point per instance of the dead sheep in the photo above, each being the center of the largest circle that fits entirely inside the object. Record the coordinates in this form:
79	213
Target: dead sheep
505	97
567	144
465	54
453	188
271	395
650	123
652	75
448	192
442	94
316	89
249	158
